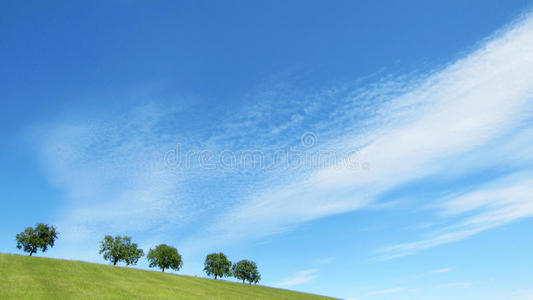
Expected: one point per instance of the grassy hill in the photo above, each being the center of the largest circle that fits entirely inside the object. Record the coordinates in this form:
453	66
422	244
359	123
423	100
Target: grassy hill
23	277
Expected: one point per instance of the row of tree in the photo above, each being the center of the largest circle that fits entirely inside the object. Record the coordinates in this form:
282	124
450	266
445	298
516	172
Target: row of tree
119	248
122	249
218	265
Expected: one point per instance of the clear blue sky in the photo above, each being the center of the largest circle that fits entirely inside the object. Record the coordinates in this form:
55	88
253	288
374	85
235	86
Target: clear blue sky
394	138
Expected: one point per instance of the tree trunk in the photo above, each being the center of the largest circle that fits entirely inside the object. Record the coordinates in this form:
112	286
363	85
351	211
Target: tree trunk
31	252
163	270
215	277
243	281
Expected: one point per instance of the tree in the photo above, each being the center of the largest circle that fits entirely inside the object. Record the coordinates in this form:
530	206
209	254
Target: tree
246	270
42	237
164	257
256	276
218	265
120	249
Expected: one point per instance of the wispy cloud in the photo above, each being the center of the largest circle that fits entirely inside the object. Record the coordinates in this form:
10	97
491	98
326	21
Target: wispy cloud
324	261
522	294
438	271
386	291
453	285
299	278
471	115
498	204
113	176
464	115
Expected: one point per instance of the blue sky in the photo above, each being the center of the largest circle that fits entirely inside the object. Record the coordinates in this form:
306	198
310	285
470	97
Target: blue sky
363	150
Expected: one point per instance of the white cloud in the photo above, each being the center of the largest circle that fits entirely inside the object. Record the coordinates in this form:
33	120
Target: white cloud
113	176
465	115
523	294
498	204
386	291
299	278
453	285
453	115
438	271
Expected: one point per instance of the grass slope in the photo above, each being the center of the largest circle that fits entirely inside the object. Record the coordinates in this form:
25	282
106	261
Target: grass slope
23	277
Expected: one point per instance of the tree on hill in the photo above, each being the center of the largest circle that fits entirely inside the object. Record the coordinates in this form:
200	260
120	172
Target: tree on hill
246	270
164	257
255	276
217	265
39	238
120	249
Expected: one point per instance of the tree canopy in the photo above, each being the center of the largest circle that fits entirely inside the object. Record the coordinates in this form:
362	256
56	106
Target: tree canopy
217	265
39	238
246	270
255	276
165	257
120	249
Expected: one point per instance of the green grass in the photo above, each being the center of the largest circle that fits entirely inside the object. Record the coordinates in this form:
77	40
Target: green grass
23	277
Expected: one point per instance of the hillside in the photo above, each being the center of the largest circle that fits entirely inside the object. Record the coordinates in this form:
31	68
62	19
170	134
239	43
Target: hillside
23	277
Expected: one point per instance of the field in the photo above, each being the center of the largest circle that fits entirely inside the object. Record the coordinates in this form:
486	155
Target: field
23	277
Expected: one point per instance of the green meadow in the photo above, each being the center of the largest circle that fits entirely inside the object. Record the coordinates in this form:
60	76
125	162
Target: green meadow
23	277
